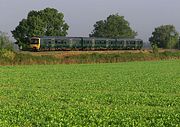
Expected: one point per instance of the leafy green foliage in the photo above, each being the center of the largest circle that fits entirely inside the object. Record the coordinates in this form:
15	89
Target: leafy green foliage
7	55
125	94
155	48
114	26
47	22
165	36
5	42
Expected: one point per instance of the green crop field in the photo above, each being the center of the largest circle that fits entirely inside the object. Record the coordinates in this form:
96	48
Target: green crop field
120	94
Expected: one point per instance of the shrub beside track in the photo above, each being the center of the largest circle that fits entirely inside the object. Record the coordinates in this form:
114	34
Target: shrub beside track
69	57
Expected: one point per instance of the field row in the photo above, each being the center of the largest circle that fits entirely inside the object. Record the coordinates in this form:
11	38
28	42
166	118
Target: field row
124	94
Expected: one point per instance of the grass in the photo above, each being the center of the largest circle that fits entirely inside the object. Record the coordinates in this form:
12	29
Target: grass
119	94
29	58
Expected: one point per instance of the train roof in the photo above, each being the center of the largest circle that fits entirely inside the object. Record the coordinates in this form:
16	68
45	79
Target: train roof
87	38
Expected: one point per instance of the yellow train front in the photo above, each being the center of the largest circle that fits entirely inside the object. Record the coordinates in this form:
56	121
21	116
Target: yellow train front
35	43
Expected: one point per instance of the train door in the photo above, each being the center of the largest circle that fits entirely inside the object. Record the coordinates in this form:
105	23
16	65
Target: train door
124	44
93	44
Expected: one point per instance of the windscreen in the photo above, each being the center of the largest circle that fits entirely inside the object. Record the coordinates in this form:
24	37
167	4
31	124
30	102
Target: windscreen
34	41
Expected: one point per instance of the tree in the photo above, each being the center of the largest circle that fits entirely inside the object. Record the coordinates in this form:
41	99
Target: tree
165	36
5	42
47	22
114	26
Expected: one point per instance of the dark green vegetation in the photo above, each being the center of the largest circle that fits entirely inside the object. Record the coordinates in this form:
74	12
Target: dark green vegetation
124	94
47	22
114	26
17	58
69	57
165	36
50	22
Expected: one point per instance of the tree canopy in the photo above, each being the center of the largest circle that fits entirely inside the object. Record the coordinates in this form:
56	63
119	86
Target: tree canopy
165	36
114	26
47	22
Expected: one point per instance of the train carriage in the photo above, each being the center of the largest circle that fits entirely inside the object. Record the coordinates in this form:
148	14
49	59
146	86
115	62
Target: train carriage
88	43
100	43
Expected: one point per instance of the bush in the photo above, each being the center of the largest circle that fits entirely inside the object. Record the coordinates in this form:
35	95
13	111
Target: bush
5	42
7	54
155	49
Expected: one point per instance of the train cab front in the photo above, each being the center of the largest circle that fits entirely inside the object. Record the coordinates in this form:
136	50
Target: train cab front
35	43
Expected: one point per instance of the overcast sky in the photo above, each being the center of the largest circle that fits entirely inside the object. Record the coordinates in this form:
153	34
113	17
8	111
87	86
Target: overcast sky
81	15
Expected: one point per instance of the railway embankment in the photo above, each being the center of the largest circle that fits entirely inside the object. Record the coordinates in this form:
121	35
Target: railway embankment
83	57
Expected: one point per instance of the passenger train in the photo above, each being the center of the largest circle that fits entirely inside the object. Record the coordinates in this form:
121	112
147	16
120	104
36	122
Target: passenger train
83	43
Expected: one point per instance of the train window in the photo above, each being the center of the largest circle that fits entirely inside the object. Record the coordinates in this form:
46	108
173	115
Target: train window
34	41
120	42
133	42
97	42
